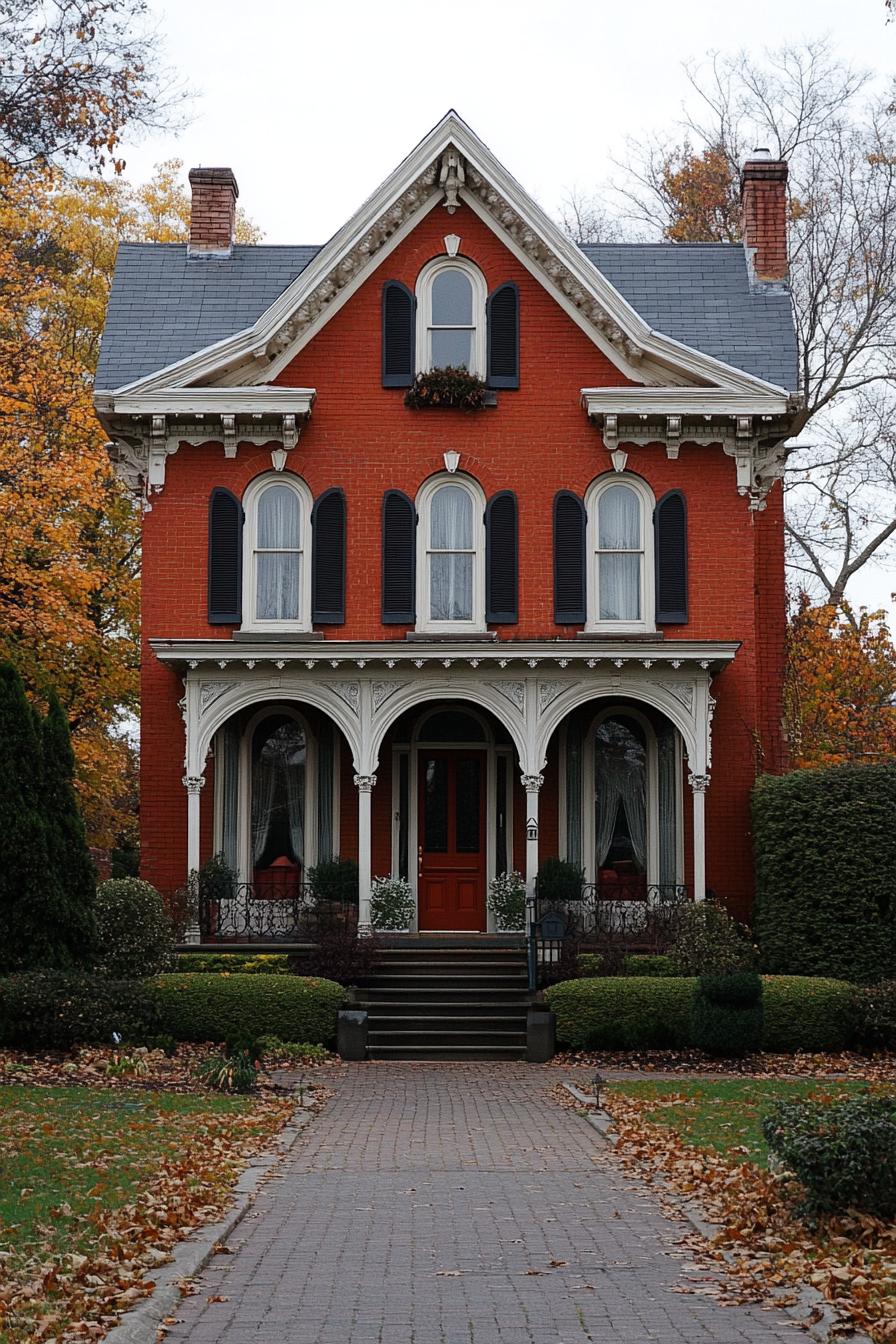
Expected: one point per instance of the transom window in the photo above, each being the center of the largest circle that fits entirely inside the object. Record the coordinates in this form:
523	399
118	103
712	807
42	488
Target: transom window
451	316
620	580
451	565
278	578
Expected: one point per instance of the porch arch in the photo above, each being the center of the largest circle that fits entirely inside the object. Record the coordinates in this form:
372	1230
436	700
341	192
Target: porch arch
602	688
245	695
424	691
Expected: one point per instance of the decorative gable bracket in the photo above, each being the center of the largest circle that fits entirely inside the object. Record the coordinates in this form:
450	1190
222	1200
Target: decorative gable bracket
750	429
146	429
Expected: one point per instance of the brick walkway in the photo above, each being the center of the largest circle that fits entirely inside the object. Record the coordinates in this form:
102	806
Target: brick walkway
426	1206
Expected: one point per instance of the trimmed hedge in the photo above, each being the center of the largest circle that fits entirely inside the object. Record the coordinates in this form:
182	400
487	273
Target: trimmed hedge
54	1010
635	1012
803	1012
214	1007
244	963
641	1012
648	963
825	846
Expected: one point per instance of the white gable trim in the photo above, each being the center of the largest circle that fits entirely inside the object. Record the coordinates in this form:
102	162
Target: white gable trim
260	352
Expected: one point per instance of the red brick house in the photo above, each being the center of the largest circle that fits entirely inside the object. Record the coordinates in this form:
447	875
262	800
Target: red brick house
452	643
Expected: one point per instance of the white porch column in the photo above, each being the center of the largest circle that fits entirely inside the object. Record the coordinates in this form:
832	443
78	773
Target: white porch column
699	785
532	784
193	785
364	784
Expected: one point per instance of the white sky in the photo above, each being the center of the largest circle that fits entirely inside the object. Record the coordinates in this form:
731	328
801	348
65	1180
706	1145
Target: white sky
313	104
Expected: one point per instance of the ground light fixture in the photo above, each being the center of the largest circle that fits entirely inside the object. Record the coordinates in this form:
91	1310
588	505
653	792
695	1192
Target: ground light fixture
597	1082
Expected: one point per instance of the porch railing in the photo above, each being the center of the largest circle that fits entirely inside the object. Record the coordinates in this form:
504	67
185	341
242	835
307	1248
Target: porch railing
613	916
244	912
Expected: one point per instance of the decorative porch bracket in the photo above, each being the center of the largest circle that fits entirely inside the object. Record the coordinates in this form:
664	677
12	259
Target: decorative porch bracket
750	428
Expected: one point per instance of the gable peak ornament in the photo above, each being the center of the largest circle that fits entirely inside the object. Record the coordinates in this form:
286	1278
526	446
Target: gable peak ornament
451	178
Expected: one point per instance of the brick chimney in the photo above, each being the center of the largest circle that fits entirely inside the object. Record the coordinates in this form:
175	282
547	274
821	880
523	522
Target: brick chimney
213	211
763	204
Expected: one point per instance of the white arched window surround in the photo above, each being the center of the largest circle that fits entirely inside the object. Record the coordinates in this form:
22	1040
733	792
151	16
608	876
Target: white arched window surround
449	530
277	553
628	558
430	323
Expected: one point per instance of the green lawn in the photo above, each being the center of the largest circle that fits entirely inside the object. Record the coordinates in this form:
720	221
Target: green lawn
725	1114
73	1160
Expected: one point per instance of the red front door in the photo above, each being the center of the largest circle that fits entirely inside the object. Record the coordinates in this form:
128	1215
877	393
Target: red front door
451	840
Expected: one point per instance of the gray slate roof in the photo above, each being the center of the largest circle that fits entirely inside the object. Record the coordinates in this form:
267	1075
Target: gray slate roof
165	305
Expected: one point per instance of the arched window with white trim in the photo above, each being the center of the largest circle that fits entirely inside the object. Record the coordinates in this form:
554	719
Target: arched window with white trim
451	295
620	576
451	564
277	554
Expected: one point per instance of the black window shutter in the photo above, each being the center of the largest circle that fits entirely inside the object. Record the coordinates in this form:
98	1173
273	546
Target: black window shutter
399	319
225	558
399	559
670	544
503	324
328	559
569	559
501	563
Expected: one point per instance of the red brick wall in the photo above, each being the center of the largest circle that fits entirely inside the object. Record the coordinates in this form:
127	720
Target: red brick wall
538	440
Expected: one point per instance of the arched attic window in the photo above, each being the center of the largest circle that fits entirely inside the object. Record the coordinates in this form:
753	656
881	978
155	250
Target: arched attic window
451	296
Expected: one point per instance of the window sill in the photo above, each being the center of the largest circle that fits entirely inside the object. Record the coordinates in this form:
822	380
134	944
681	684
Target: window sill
614	636
278	636
451	636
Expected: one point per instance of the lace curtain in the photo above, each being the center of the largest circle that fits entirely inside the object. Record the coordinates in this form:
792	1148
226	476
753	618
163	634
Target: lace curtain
574	794
619	574
325	796
278	555
278	781
451	559
230	760
620	778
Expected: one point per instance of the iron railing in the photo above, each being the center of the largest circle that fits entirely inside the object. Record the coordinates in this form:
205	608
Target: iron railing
613	916
272	913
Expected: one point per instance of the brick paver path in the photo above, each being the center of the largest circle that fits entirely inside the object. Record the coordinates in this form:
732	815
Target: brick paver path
426	1206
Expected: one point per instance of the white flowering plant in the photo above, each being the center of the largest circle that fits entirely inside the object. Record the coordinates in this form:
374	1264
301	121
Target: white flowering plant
391	904
507	901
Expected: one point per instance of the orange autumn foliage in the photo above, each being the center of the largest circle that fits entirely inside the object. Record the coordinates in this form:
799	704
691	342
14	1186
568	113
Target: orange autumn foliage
840	693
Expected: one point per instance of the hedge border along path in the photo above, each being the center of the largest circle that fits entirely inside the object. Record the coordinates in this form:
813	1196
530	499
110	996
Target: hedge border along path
214	1007
641	1012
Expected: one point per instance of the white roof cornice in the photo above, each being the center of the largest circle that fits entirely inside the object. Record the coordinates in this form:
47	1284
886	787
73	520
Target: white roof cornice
258	353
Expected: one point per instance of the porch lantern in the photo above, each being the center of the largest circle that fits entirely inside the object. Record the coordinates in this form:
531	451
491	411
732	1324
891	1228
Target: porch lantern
531	829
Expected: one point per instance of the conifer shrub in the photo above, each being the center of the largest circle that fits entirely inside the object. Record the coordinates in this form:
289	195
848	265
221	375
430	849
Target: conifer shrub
67	853
135	934
726	1016
874	1012
825	848
28	893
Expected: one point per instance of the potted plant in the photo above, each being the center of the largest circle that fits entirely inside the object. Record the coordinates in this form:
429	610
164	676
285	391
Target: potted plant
507	902
559	881
391	904
446	389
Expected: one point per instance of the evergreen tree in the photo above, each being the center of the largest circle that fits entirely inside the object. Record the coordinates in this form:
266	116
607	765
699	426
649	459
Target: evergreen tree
67	852
23	841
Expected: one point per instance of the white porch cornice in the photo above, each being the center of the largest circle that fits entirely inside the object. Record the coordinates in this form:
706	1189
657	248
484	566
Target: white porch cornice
440	655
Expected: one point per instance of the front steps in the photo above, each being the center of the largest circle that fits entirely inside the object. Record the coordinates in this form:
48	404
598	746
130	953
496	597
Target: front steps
447	1002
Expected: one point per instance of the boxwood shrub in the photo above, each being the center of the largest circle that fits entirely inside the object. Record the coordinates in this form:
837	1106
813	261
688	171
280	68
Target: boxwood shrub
648	963
806	1013
825	845
843	1152
245	963
623	1012
214	1007
54	1010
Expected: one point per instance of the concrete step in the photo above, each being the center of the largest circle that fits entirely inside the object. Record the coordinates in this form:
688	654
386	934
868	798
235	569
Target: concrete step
447	1052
